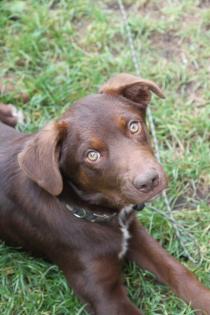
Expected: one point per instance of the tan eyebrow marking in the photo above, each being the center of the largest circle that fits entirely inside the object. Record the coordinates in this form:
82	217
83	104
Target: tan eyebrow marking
97	144
121	122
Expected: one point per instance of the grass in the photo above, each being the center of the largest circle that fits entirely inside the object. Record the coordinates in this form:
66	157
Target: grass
58	51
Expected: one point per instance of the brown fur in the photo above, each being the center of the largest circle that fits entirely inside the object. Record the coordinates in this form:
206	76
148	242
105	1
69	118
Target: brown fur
42	172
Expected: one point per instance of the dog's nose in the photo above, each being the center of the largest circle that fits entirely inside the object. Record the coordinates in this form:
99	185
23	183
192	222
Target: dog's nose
146	182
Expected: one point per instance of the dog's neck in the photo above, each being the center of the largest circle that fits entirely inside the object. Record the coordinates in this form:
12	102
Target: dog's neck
83	209
93	201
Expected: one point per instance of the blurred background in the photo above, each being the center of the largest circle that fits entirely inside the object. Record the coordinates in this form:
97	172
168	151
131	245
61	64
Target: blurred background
53	53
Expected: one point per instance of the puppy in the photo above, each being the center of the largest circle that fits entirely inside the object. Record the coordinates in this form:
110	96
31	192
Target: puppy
68	194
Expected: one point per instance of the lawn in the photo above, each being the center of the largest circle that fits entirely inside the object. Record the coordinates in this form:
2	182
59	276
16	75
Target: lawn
54	52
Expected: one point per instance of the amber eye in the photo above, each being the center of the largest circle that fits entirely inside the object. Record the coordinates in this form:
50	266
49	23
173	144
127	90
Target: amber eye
134	126
93	155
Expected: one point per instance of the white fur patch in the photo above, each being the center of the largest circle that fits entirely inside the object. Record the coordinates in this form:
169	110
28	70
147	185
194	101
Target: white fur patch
17	114
124	225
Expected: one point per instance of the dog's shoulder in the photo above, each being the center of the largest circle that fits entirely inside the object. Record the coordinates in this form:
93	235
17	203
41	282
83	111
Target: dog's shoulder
7	133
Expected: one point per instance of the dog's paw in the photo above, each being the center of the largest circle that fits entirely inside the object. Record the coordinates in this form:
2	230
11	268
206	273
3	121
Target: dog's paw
10	115
18	114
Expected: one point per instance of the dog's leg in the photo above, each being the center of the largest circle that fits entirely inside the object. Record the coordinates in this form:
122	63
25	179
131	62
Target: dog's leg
10	115
148	253
98	283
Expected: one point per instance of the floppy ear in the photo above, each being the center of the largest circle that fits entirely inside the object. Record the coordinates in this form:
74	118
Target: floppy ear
134	88
39	160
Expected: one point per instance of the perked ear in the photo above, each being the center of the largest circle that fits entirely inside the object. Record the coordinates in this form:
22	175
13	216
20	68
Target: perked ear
39	160
134	88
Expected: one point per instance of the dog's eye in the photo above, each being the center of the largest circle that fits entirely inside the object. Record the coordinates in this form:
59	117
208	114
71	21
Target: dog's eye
134	126
93	155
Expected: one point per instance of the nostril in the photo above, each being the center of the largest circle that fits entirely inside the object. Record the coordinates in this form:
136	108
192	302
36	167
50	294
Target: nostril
141	187
155	180
145	188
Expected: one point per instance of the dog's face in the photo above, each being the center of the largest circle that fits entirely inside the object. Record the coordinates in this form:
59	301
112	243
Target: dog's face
107	155
102	146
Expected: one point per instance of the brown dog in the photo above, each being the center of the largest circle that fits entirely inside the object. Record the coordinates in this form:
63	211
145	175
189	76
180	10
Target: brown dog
68	192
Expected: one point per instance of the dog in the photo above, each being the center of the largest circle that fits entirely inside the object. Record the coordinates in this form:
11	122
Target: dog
69	192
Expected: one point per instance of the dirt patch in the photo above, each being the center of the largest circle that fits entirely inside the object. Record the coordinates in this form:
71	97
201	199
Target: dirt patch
151	9
193	90
8	86
193	18
168	45
54	5
193	195
113	5
81	27
143	8
204	4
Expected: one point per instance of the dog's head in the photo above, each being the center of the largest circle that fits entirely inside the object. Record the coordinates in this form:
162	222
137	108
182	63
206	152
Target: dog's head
101	146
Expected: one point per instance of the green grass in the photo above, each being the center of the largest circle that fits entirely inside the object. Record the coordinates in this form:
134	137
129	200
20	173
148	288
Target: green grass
58	51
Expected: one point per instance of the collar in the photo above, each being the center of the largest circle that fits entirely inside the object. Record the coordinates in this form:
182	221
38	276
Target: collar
90	216
139	207
85	214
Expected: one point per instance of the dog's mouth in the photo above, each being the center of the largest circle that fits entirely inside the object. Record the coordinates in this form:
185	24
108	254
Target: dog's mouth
144	189
133	196
117	199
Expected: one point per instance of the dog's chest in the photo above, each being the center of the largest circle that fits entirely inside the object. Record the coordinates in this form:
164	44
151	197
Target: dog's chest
124	222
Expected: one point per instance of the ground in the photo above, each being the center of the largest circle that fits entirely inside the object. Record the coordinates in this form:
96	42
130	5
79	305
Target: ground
54	52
